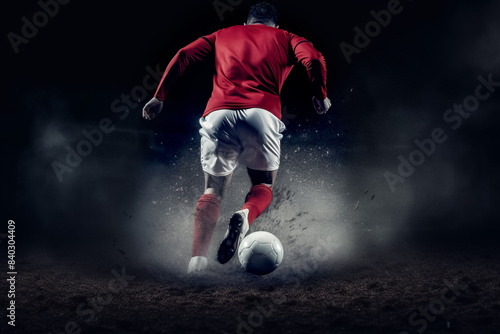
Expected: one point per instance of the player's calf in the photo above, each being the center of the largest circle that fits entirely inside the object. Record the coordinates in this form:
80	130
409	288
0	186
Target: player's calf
205	219
257	200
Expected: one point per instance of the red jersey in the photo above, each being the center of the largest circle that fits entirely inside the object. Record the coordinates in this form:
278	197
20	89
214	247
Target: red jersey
252	62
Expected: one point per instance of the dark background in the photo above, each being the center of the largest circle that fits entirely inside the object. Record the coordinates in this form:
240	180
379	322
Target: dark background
395	91
129	204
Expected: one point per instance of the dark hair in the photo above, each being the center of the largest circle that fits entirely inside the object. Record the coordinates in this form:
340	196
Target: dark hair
264	13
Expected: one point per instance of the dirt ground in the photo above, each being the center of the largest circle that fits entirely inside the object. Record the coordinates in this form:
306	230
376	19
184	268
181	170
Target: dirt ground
396	290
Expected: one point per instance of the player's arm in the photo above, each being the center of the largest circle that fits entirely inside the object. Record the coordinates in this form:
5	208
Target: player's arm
194	52
315	64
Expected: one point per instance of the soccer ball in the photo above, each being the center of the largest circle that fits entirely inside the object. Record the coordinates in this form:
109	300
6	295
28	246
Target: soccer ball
260	253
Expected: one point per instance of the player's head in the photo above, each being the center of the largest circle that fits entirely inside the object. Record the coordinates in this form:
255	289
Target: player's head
263	13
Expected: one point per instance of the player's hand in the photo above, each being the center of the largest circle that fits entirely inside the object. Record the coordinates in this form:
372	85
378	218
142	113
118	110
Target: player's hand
321	106
152	109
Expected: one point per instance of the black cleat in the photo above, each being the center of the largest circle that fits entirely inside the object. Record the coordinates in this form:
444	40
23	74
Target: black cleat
236	231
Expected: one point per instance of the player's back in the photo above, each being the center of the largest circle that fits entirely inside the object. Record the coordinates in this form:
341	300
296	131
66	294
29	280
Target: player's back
252	62
253	54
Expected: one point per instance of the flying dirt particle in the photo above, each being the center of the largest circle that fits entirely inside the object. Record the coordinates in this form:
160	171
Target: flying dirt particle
304	228
356	207
366	191
373	196
121	251
126	214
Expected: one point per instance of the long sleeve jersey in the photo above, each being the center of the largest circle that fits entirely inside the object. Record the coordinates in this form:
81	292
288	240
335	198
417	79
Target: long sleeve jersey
252	62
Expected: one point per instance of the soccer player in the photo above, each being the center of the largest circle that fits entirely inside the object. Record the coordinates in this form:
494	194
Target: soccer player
242	120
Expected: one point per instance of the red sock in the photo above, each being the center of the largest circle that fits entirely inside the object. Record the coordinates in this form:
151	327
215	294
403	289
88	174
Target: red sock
205	219
258	199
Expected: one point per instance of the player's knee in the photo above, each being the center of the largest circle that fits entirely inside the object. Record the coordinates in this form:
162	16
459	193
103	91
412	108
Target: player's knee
261	177
212	191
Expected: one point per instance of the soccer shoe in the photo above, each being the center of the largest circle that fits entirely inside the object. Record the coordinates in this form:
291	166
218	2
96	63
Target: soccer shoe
197	264
236	231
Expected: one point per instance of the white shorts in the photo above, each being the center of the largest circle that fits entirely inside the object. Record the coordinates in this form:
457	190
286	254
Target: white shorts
248	136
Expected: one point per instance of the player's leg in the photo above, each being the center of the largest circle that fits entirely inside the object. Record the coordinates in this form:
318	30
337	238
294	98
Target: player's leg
262	177
260	195
216	185
257	200
218	158
259	133
205	219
